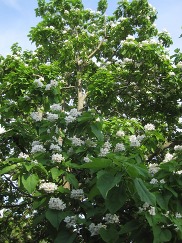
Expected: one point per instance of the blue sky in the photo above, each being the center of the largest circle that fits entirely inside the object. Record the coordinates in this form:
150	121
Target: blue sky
17	16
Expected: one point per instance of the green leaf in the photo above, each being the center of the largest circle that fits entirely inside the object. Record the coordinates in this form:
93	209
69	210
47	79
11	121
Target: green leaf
129	227
55	172
72	180
7	169
115	199
97	132
53	217
30	182
37	204
161	235
106	181
163	199
109	235
64	236
135	170
143	192
97	163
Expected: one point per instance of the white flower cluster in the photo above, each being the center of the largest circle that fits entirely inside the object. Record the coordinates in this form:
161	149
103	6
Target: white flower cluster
119	147
56	203
86	159
105	149
55	147
120	133
134	141
178	215
70	221
37	116
153	168
37	147
38	82
57	158
2	130
53	83
155	181
168	157
56	107
147	207
72	115
52	117
94	228
111	219
149	127
76	141
23	155
77	194
177	147
179	65
48	187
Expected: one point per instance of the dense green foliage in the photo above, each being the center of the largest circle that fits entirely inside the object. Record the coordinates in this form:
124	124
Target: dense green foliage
91	149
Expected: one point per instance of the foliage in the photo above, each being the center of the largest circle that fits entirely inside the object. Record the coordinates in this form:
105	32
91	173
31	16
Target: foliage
90	131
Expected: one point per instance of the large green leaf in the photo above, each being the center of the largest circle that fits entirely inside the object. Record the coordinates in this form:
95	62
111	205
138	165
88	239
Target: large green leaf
161	235
115	199
144	193
7	169
97	163
30	182
72	180
97	132
106	181
109	235
55	217
65	236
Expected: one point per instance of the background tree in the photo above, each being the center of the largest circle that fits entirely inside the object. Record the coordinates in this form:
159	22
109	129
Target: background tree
90	139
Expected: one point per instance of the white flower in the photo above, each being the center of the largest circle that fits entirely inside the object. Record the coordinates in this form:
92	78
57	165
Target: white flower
105	149
23	155
86	159
111	219
120	133
48	187
172	74
55	107
76	141
37	116
152	211
178	147
57	158
69	119
77	194
134	142
94	228
38	149
70	221
168	157
162	181
179	172
149	127
72	115
178	215
55	147
179	65
38	83
52	117
154	181
153	168
56	203
2	130
119	147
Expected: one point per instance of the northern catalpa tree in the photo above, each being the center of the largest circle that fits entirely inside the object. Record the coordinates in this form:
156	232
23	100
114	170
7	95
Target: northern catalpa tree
90	132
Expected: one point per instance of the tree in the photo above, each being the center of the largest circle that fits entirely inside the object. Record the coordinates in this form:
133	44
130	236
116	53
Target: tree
90	139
